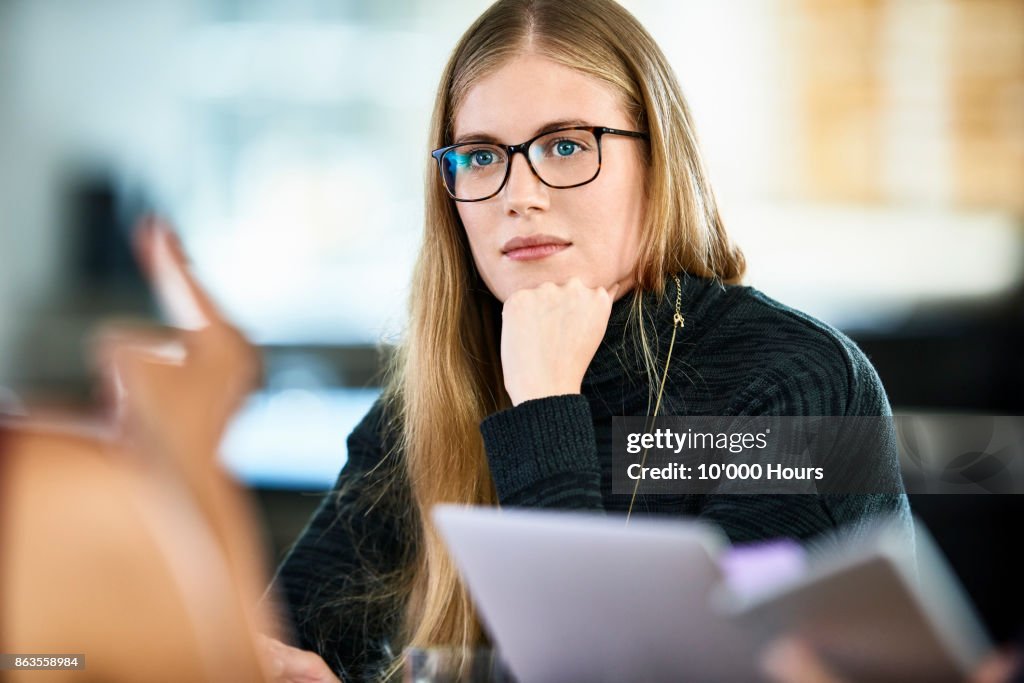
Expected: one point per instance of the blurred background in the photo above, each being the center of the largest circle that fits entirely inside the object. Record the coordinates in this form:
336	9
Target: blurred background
868	156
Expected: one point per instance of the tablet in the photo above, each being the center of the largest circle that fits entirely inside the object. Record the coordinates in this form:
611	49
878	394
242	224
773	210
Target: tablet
872	613
570	596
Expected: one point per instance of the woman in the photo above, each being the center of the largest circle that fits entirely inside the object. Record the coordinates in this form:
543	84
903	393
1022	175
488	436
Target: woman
550	294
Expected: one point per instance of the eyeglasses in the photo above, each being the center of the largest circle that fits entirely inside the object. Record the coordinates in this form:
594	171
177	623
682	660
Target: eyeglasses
562	158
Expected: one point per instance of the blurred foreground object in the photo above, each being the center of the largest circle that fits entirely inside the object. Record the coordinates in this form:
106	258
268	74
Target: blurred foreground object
130	545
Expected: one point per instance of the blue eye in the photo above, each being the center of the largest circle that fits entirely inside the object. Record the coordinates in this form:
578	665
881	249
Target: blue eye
566	148
483	157
470	160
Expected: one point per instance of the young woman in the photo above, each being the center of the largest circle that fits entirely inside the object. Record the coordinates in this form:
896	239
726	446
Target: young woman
574	267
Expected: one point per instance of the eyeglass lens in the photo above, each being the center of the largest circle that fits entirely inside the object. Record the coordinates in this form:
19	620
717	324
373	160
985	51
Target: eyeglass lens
561	159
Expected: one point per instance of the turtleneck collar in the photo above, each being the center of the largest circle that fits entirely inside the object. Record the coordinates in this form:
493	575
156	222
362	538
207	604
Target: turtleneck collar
620	351
658	311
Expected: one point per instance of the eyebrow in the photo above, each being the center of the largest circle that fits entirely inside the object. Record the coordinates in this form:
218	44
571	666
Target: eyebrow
549	126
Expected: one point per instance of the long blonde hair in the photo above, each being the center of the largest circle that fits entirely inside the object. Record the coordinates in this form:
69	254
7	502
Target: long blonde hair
446	376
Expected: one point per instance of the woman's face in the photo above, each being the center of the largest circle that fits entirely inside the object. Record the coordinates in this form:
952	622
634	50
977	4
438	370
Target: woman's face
599	222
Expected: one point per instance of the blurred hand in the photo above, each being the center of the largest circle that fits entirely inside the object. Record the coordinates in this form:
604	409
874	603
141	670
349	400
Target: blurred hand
291	665
791	660
176	388
549	336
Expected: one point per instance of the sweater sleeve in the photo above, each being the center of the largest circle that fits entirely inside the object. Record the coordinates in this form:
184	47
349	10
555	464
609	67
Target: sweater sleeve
327	574
543	453
830	378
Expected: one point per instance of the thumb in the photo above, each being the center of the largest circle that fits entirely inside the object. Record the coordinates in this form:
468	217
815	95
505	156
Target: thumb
295	664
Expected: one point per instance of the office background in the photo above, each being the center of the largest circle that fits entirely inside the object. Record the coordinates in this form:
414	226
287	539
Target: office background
868	156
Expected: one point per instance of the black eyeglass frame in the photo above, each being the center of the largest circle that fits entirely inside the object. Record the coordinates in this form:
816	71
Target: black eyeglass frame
597	131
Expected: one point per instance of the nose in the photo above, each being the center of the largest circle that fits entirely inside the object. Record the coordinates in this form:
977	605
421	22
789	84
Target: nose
524	190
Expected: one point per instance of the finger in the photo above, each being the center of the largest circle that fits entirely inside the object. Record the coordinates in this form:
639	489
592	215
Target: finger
271	645
124	358
132	331
792	661
301	665
271	651
165	344
118	365
183	299
122	355
268	641
132	385
996	668
220	348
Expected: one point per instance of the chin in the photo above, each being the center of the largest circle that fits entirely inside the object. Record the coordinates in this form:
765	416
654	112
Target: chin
533	274
532	280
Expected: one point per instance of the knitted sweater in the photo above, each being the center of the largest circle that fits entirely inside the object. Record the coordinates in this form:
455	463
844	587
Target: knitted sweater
740	353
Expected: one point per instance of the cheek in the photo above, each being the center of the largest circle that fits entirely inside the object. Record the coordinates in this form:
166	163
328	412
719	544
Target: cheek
633	207
473	222
478	223
615	212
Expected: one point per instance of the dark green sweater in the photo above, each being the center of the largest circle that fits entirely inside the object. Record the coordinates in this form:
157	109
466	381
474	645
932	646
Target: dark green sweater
740	353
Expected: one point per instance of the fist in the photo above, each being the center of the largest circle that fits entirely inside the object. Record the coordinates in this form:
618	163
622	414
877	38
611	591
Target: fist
549	335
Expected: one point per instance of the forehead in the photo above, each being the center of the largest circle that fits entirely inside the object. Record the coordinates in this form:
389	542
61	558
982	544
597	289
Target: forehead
529	91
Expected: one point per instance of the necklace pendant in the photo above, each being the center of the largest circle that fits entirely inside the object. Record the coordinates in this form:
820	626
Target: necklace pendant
678	320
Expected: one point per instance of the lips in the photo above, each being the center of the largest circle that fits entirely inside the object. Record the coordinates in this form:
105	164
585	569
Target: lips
534	246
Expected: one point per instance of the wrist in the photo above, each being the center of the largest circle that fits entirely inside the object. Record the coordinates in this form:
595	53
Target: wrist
532	393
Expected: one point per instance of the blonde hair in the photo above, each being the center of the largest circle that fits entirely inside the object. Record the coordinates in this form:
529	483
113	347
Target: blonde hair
446	376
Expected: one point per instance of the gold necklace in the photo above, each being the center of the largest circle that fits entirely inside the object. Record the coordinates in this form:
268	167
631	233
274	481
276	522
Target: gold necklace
677	324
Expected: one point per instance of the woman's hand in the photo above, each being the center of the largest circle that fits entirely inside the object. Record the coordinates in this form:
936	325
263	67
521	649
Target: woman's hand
291	665
549	336
175	389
